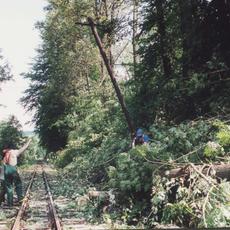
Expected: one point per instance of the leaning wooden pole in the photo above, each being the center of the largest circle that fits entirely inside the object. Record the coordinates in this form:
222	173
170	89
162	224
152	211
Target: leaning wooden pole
112	77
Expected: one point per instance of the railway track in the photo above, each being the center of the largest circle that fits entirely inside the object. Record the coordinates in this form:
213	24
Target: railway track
70	211
37	210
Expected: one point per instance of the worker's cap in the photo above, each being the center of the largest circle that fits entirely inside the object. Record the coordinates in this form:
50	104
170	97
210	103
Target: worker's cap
139	132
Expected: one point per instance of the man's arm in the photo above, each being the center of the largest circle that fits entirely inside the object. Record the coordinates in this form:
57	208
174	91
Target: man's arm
21	150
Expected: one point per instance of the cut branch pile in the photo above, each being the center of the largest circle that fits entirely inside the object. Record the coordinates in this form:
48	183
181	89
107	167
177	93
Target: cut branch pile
221	171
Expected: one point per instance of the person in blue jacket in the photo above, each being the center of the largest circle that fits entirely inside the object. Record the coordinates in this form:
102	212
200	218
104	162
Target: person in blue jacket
140	138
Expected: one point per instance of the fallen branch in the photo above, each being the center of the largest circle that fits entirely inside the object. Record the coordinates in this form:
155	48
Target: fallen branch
210	181
219	170
204	206
188	154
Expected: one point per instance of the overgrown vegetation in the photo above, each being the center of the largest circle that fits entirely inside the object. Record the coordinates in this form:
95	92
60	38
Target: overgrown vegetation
177	88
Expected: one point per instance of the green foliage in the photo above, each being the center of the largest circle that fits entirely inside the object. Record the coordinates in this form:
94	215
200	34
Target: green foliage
10	133
5	73
63	72
104	159
65	157
217	210
172	142
213	149
183	72
219	217
193	205
223	137
131	174
34	152
179	213
182	75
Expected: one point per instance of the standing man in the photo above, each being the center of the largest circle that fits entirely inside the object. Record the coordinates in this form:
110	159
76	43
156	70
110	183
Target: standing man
11	174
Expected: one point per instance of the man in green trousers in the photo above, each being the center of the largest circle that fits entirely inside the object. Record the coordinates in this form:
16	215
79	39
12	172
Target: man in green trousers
11	173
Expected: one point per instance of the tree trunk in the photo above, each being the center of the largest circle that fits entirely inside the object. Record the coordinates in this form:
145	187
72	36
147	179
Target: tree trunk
185	8
163	40
222	171
135	21
112	77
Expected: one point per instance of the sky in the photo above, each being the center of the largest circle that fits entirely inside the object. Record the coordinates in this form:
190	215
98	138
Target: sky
18	41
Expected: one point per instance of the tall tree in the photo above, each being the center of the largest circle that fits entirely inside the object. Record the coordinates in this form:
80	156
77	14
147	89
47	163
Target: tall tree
186	24
10	133
5	73
160	15
65	72
134	35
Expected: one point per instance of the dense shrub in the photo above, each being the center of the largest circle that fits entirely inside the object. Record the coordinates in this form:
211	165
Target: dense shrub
133	172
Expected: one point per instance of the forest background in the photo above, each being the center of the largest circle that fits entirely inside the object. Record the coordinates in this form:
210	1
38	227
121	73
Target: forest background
171	60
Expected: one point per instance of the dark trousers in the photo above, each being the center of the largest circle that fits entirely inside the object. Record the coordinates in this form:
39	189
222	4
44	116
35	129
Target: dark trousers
12	177
2	191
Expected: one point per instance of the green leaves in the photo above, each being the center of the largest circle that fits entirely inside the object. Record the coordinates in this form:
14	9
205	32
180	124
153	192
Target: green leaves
10	133
5	73
131	174
63	73
213	149
221	144
177	80
178	213
223	136
217	211
195	46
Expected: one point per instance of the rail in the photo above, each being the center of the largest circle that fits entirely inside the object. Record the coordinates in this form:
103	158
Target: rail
52	215
24	205
55	220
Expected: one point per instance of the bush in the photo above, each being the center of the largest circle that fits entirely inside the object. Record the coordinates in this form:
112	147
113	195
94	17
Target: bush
104	159
213	149
223	137
10	133
179	213
132	173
